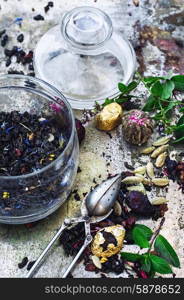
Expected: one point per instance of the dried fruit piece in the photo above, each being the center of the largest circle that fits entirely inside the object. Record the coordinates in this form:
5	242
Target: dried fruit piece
133	179
162	141
140	204
108	241
150	169
147	150
96	261
109	117
140	170
159	150
137	127
158	200
160	161
160	181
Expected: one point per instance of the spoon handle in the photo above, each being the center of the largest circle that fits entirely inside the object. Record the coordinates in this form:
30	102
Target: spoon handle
42	256
86	243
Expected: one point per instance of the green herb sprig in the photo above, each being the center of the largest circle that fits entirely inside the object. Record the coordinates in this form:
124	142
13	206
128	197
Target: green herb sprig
125	93
160	255
161	100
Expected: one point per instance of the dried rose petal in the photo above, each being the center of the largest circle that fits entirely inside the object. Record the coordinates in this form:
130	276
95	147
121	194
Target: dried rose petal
80	130
90	267
143	274
56	108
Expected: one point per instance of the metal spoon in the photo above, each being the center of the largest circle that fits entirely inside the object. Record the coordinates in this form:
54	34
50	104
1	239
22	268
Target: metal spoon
96	206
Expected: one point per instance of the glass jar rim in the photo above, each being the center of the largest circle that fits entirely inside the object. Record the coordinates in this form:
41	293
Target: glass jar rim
69	108
80	46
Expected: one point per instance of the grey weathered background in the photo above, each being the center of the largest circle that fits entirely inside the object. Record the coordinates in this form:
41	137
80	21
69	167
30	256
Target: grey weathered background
156	29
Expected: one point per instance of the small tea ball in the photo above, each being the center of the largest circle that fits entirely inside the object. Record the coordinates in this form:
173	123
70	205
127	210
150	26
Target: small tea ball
108	241
109	117
137	127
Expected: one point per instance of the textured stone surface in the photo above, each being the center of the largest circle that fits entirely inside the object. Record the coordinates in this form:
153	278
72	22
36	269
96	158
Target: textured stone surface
156	29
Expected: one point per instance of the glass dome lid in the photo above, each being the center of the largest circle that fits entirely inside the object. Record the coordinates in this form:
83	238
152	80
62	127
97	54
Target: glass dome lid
84	57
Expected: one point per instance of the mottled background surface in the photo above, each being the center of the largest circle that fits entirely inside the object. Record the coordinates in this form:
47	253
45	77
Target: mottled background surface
156	30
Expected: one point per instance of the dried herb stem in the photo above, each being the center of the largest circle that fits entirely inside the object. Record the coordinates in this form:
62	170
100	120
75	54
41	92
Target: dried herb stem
156	233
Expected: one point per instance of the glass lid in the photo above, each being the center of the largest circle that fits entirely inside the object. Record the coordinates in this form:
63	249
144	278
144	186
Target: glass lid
84	58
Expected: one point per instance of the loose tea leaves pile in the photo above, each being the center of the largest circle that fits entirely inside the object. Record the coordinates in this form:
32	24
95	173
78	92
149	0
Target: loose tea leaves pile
27	142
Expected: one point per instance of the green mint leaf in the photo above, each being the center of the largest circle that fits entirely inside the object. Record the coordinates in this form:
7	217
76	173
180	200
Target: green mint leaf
178	140
168	88
180	121
157	89
178	82
131	256
150	104
122	99
127	89
108	101
148	81
146	263
160	265
140	239
178	127
163	90
181	109
122	87
179	130
165	250
141	235
132	85
146	231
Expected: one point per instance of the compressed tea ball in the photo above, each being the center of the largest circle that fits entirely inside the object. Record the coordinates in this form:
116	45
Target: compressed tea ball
108	241
137	127
109	117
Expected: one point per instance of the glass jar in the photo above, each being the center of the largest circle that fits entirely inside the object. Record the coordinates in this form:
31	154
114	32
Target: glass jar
84	57
33	196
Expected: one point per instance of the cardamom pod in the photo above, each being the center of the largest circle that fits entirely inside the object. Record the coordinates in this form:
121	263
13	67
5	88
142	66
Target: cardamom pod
133	179
150	169
158	200
162	141
160	181
147	150
137	188
96	261
140	170
159	150
117	209
160	161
